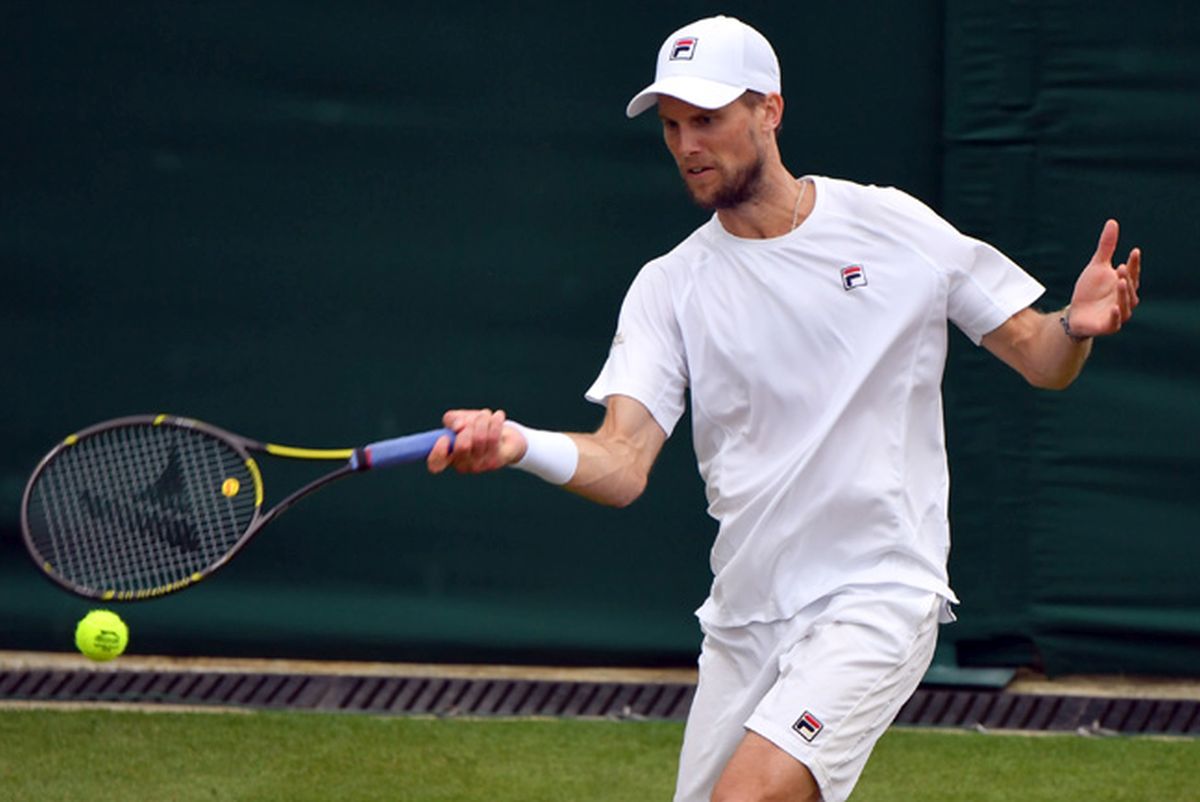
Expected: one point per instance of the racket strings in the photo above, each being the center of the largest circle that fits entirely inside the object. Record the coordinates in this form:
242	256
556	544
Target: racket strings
140	507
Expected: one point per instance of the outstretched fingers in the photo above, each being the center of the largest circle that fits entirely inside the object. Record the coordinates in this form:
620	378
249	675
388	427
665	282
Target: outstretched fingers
1107	245
1133	272
1128	280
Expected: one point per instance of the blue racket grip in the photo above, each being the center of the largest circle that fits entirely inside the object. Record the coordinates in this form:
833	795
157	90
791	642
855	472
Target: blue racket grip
398	450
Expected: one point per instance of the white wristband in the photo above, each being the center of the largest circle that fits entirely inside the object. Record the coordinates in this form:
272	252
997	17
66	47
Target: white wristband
552	456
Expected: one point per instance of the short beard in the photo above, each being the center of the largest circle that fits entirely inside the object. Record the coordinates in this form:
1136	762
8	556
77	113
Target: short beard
742	186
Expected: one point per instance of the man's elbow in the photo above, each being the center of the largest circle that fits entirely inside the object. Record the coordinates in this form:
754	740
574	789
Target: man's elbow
1050	380
612	491
629	491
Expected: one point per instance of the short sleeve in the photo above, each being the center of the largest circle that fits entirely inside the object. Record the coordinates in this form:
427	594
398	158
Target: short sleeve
986	288
646	361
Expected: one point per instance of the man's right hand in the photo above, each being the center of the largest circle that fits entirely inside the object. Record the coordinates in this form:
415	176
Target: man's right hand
482	442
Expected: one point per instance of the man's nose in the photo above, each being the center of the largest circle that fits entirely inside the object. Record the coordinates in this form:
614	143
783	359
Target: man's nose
689	142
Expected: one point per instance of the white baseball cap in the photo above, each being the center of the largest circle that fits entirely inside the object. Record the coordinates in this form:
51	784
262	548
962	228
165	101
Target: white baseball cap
710	64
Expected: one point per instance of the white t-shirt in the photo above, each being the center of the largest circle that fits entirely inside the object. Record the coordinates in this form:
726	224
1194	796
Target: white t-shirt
814	362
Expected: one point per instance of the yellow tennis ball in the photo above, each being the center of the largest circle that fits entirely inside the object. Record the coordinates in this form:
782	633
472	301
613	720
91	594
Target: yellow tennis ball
101	635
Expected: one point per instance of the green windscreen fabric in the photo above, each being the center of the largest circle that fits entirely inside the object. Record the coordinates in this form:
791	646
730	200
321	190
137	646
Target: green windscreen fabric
1077	527
323	224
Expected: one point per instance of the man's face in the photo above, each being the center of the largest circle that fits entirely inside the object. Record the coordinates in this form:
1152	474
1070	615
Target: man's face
719	152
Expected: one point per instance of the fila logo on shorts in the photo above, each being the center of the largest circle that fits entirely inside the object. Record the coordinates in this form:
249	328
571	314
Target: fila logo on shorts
853	276
809	726
684	48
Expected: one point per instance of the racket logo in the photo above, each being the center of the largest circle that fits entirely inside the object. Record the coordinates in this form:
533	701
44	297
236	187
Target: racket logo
162	509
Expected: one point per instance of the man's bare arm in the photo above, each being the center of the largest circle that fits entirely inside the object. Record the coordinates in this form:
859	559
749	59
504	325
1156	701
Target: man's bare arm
613	464
1050	354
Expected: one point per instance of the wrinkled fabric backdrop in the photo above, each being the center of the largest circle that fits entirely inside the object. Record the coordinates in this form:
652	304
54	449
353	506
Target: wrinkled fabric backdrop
324	223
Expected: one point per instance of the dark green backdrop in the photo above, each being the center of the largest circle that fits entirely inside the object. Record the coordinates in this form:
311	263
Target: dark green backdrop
324	223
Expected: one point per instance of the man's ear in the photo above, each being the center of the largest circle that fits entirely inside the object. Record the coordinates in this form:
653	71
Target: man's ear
773	111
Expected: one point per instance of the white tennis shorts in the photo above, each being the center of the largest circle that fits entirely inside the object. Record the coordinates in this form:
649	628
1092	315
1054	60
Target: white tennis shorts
823	685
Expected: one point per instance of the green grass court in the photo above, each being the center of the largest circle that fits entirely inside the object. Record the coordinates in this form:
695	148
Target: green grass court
99	754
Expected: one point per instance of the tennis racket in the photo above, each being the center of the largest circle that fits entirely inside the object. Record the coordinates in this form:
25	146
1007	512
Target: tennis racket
143	506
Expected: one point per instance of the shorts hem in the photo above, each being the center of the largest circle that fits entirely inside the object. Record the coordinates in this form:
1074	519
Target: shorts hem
784	740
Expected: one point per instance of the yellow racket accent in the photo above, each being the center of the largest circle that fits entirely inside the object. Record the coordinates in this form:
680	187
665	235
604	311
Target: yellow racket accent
150	593
309	453
160	418
71	439
258	485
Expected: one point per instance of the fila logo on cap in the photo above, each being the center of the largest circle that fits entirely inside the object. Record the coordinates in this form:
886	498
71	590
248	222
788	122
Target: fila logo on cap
684	48
809	726
853	276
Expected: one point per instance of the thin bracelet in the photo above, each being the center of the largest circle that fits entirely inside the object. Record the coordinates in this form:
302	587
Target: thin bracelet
1065	320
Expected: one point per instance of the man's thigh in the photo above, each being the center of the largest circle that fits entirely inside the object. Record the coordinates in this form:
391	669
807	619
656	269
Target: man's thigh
760	770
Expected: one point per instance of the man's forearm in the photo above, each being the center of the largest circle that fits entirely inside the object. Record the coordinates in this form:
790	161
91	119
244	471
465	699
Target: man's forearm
608	472
1037	346
1055	358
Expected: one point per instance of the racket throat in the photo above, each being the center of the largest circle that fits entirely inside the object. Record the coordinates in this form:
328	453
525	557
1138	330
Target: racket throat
300	493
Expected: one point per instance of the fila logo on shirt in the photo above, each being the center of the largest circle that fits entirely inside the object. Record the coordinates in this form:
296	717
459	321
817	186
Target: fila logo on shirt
853	276
809	726
684	48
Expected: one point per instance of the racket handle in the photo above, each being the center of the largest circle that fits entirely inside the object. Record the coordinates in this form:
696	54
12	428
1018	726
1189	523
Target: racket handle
397	451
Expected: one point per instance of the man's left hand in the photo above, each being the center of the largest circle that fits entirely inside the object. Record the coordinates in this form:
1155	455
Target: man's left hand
1105	297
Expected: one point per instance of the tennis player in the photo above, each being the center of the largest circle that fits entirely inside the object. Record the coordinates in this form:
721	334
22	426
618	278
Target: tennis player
808	320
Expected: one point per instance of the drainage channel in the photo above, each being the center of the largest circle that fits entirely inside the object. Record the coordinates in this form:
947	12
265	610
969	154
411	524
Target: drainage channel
984	709
366	694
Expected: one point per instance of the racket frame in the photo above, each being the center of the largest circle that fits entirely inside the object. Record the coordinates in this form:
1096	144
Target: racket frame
354	460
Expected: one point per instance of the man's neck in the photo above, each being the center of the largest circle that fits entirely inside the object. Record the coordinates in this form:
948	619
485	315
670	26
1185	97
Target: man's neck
781	204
